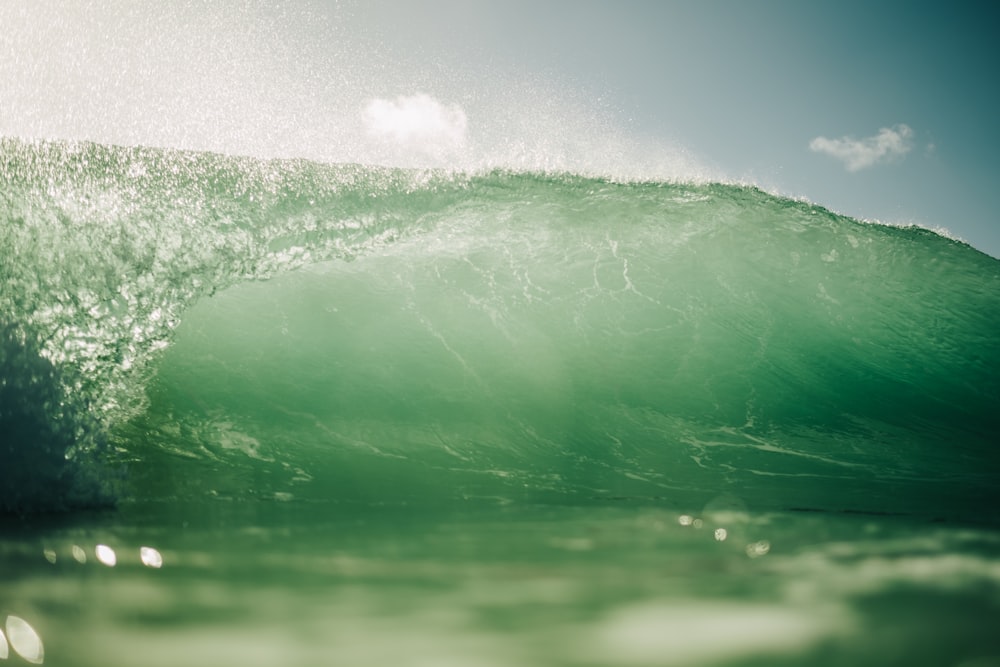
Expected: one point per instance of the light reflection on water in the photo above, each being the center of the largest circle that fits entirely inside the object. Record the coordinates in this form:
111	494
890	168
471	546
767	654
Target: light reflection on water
625	634
19	635
23	639
577	588
106	555
150	557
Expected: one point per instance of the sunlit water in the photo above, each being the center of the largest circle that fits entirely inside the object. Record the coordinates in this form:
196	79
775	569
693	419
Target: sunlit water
560	401
364	416
627	584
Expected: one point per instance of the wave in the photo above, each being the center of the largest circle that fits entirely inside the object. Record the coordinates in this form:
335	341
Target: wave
286	329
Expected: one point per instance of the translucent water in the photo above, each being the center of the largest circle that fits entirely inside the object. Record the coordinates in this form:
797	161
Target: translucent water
311	414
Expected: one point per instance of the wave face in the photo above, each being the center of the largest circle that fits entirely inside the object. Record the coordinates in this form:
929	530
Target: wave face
297	331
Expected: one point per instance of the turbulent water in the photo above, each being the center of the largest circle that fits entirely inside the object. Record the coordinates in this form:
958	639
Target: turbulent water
310	414
184	325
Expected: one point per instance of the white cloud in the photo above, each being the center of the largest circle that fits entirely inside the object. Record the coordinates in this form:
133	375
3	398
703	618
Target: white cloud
856	154
417	123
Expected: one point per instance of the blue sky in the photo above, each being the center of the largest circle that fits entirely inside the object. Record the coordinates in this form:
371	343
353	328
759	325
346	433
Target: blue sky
879	110
748	86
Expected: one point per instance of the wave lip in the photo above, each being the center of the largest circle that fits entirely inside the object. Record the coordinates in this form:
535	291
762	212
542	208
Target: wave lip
544	331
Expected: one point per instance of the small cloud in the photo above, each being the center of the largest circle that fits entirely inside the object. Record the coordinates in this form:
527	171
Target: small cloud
417	123
857	154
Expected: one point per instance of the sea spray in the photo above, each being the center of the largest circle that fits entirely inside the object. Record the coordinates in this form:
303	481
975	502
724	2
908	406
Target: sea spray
104	247
426	335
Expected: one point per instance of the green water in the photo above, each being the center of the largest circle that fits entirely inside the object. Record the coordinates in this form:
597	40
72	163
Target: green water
320	584
369	416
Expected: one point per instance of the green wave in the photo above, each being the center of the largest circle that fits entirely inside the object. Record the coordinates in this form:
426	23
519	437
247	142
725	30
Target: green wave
427	337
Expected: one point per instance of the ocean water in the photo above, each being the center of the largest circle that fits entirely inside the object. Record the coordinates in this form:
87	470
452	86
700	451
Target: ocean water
260	412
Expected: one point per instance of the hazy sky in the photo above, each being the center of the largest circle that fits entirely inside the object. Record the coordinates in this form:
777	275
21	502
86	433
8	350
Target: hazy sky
884	110
880	110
